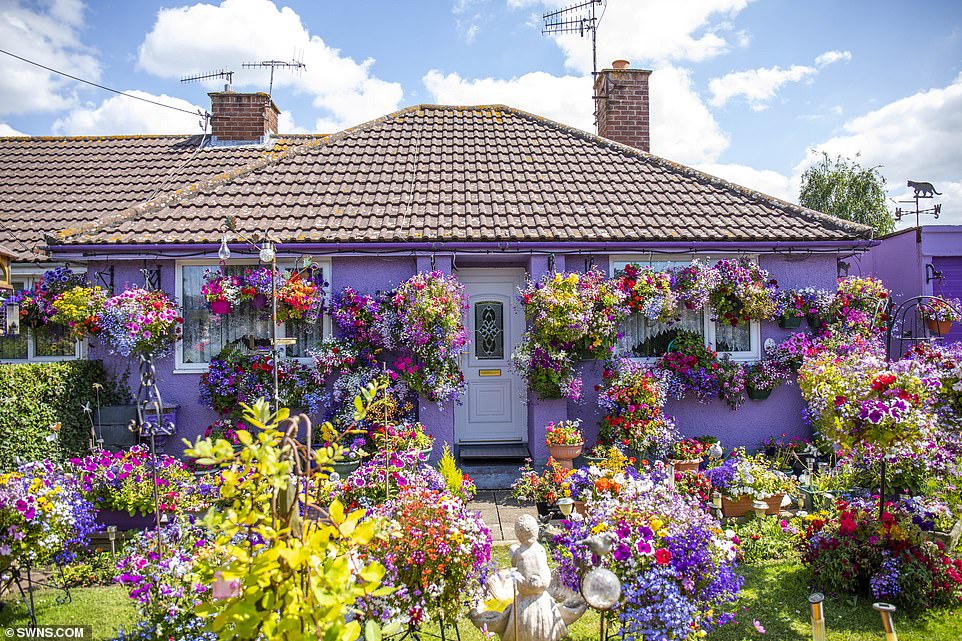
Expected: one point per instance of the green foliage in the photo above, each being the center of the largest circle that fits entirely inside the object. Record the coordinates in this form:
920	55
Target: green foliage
453	476
34	396
96	567
844	189
291	575
769	538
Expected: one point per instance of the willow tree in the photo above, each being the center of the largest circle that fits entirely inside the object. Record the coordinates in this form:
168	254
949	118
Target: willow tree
843	188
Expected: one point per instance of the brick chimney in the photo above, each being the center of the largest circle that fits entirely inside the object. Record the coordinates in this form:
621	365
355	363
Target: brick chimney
621	105
242	117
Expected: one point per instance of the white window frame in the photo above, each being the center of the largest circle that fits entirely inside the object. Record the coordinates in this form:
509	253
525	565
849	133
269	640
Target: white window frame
617	262
283	263
29	279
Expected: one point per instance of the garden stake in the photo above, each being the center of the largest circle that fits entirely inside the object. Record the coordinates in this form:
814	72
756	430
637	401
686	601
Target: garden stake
886	610
818	616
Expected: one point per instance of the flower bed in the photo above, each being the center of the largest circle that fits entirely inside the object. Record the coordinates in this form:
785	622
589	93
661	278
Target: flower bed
43	515
122	481
885	558
677	568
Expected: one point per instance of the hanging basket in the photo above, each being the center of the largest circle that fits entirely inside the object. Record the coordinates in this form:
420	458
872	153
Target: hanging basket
220	307
790	323
937	327
758	394
814	320
260	301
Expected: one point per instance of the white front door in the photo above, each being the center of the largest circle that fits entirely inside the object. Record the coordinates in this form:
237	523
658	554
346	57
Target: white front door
493	410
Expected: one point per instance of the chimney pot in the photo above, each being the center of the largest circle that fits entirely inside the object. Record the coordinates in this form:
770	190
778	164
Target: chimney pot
620	64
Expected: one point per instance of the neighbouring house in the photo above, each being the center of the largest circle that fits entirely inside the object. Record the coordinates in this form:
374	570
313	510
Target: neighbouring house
919	261
489	193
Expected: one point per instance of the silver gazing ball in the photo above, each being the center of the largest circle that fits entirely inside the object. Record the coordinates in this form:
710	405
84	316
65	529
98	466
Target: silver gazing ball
601	588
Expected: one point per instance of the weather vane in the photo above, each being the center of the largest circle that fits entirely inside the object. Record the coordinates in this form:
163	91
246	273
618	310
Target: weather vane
923	191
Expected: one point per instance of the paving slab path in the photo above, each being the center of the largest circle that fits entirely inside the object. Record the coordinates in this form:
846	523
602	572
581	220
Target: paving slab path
499	511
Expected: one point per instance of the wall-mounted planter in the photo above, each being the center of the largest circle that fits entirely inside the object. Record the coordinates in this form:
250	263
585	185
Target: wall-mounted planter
790	323
758	394
112	424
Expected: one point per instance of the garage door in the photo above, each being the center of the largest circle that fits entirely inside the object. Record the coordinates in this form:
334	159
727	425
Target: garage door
950	286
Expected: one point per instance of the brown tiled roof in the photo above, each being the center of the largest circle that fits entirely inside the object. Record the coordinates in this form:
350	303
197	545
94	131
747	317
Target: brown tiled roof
490	173
56	184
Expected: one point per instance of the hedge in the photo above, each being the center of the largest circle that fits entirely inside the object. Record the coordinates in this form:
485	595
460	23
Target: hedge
34	396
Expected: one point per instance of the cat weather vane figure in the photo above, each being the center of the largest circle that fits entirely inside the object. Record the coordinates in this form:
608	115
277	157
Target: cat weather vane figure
923	191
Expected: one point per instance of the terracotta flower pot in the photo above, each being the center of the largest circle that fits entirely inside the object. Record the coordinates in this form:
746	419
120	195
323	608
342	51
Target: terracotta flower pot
690	465
774	503
220	307
937	327
758	394
565	454
737	507
580	508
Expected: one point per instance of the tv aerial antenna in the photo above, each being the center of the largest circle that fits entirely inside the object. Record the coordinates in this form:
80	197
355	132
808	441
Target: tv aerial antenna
579	18
223	74
275	64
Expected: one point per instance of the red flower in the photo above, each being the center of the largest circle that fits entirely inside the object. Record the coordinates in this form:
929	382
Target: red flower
662	556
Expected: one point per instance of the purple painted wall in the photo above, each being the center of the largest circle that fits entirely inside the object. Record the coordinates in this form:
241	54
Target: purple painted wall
897	261
780	414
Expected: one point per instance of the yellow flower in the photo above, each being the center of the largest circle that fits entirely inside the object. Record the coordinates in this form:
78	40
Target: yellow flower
598	529
656	524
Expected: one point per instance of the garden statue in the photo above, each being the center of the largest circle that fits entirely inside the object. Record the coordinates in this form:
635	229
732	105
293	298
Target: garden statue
541	609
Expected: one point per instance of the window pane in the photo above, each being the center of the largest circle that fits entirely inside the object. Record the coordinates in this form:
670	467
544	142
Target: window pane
53	340
645	338
733	339
205	334
308	335
14	347
489	330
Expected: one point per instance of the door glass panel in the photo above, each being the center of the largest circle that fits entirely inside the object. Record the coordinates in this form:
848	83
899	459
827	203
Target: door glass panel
489	331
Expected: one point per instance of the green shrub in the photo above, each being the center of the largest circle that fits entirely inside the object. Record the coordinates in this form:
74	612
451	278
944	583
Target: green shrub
34	396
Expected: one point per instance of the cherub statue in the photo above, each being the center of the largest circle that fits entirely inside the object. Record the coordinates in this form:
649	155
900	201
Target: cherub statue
545	609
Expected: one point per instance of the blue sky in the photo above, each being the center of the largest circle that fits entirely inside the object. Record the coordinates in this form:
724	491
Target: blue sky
745	89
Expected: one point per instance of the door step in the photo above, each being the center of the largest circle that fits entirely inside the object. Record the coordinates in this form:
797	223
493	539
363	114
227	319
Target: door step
494	453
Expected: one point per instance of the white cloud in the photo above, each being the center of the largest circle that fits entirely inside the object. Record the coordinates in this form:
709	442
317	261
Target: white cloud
200	37
763	180
918	137
123	116
652	32
565	98
7	130
759	86
47	33
682	128
830	57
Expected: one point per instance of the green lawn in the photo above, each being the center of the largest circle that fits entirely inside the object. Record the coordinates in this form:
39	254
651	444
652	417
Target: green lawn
775	594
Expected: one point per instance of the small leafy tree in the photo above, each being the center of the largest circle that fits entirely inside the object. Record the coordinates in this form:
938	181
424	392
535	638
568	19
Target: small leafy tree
292	564
843	188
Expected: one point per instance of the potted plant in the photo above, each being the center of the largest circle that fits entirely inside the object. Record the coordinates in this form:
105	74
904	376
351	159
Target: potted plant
138	322
633	397
649	293
687	454
257	286
406	436
743	479
542	488
940	313
120	485
565	441
763	377
744	292
78	309
300	298
221	291
694	284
